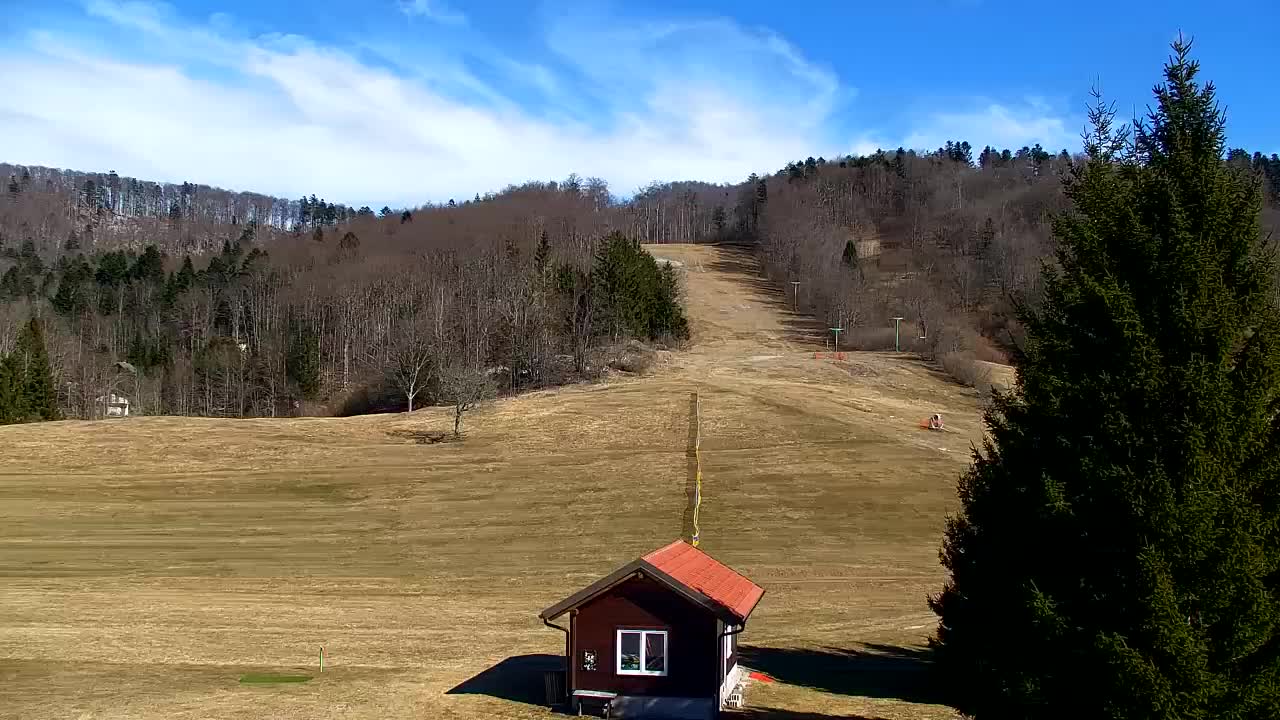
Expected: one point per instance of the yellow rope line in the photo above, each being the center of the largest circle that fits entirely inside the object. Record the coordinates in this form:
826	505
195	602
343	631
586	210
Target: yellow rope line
697	454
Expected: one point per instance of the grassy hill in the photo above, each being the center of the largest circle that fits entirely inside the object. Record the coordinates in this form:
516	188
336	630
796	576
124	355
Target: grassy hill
147	564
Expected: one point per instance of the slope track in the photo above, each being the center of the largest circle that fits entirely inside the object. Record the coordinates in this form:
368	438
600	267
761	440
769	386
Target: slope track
146	564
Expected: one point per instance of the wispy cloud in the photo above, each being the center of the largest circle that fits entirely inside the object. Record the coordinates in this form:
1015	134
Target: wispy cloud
289	115
436	10
1001	125
629	100
981	122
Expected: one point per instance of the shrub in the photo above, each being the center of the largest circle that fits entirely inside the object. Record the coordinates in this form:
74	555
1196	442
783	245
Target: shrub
968	371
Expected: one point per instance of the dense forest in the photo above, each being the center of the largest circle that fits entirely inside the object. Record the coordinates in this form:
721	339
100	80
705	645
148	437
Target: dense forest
194	300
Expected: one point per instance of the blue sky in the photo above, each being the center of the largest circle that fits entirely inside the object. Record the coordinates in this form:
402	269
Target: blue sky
405	101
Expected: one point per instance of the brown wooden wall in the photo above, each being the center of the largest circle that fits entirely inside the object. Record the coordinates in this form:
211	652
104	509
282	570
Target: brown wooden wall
642	604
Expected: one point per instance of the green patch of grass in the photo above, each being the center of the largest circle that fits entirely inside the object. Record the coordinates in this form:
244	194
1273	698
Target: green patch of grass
271	678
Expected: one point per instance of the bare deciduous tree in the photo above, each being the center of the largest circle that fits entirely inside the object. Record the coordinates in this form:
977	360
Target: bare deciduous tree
464	388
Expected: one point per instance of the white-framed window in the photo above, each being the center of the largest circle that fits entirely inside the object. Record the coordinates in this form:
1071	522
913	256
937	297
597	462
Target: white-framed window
642	652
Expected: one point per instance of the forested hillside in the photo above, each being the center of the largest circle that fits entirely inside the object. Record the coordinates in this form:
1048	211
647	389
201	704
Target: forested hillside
195	300
947	241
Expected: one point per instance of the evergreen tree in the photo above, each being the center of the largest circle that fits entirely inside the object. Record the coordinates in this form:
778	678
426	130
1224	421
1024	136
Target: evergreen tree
149	266
302	364
850	256
1117	553
12	284
635	296
10	391
34	379
71	297
542	255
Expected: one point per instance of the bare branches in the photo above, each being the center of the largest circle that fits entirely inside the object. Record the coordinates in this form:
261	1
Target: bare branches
410	366
464	388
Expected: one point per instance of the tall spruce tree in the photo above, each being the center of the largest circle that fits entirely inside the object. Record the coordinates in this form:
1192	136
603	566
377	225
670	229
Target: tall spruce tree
302	364
33	377
1117	551
10	391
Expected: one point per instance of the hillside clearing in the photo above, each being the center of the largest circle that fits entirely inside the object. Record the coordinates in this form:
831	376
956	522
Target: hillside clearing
149	563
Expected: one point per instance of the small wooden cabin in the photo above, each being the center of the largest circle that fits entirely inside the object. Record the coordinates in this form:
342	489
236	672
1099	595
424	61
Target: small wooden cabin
658	636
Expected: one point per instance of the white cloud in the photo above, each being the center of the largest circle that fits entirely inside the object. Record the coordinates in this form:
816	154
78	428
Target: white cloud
999	125
292	117
435	10
866	146
627	101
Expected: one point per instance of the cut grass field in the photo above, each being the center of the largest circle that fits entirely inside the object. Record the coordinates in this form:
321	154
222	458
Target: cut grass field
147	565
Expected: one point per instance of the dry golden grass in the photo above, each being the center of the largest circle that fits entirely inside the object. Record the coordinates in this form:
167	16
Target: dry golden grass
146	564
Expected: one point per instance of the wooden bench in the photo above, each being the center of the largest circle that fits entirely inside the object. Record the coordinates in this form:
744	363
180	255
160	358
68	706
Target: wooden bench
604	698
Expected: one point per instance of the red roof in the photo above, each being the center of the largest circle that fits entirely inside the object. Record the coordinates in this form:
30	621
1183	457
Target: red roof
700	572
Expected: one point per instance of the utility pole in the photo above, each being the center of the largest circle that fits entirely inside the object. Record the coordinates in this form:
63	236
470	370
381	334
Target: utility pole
837	331
795	297
896	346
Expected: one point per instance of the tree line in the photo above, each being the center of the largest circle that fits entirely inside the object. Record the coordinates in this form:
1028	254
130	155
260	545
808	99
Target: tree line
241	304
952	243
333	323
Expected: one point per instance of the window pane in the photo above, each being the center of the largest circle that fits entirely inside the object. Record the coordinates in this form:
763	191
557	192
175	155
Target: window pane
655	652
630	656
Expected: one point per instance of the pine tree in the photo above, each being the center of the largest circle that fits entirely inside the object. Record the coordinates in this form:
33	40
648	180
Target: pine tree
850	256
38	399
302	364
1117	553
634	296
542	255
10	392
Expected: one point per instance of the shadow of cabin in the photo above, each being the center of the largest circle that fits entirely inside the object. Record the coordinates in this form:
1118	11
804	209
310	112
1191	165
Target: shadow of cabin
518	678
877	671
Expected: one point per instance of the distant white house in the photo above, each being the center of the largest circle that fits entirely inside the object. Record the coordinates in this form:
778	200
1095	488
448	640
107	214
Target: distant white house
113	405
